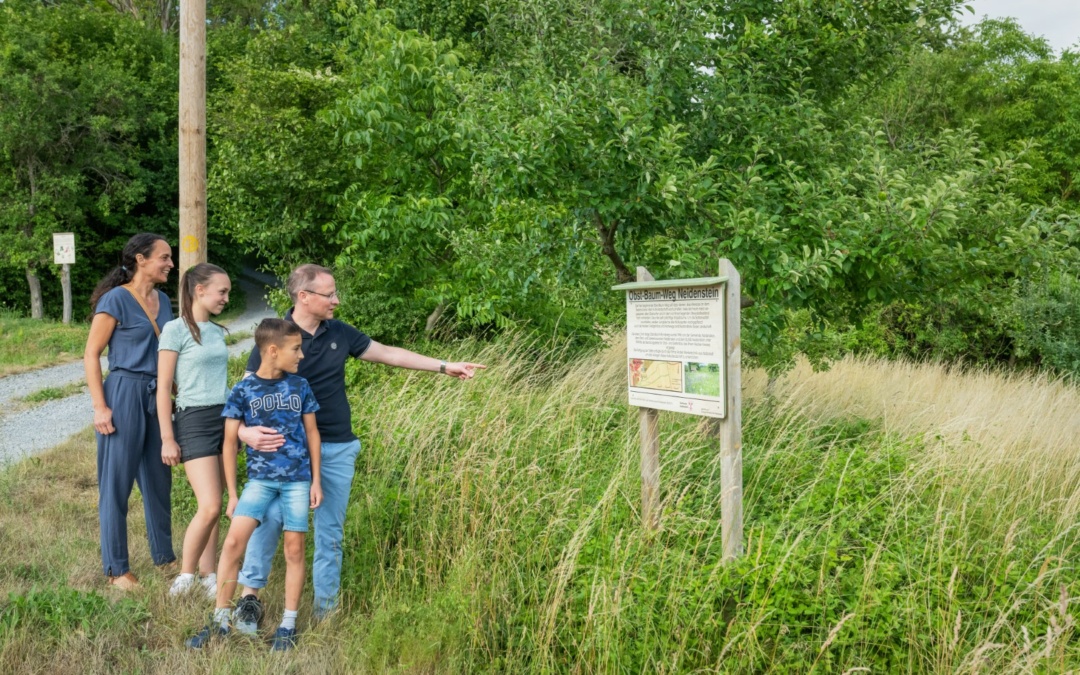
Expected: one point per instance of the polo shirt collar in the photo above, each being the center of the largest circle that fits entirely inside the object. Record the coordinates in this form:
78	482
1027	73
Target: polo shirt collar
318	330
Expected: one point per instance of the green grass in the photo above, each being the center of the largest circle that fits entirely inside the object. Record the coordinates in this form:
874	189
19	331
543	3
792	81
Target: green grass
237	336
702	382
26	344
494	528
53	393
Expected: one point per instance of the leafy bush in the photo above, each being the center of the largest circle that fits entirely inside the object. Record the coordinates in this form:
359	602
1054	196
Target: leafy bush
1047	323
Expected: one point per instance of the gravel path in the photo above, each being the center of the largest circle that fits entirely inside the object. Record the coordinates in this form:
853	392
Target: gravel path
27	430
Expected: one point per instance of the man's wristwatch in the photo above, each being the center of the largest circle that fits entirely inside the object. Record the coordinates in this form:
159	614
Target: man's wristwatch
442	367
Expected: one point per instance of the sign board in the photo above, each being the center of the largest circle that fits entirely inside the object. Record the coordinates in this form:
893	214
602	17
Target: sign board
675	345
64	248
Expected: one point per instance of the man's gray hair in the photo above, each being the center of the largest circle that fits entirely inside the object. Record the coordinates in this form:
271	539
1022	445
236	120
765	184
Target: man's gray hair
302	277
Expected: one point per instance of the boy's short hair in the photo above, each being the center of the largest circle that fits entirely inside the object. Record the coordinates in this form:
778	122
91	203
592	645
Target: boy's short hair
273	332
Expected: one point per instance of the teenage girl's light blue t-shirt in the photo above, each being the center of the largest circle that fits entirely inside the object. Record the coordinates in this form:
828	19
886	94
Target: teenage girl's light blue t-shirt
202	370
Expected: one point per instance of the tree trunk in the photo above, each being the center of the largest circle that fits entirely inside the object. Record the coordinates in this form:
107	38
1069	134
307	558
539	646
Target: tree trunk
433	319
37	310
607	247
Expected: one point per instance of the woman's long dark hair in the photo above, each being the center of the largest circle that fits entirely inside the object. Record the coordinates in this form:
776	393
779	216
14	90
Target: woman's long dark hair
141	244
196	276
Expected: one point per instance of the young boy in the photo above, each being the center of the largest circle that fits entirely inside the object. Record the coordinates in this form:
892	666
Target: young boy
274	397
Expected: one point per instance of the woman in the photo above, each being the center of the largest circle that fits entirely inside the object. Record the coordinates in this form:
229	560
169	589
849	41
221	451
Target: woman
192	350
128	314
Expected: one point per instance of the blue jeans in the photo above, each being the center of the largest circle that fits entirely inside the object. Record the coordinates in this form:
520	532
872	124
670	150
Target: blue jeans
336	475
293	498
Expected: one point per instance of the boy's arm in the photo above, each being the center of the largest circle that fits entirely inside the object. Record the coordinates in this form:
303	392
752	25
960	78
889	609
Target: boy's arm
315	452
228	458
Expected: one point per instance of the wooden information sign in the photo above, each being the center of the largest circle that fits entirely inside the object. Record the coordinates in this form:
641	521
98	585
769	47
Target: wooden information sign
684	355
64	255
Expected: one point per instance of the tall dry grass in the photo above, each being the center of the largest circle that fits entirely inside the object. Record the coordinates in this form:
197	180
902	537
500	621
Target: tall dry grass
1016	430
494	528
523	489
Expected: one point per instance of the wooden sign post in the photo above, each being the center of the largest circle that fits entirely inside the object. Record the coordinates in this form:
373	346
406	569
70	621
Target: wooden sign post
684	355
64	255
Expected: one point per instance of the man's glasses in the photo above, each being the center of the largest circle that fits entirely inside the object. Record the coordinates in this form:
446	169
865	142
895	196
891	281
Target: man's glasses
328	296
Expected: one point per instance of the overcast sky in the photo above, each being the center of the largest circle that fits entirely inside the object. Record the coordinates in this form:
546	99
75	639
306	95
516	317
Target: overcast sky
1056	20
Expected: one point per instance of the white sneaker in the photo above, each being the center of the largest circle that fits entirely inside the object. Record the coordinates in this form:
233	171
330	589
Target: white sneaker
209	582
182	584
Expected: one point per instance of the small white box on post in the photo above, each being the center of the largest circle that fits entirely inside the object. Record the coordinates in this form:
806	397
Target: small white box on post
64	255
683	355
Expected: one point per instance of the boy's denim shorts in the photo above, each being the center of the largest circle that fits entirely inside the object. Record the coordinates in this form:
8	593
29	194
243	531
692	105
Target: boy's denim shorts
295	500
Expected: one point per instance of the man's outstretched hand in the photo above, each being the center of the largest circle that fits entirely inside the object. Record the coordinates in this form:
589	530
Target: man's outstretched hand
463	370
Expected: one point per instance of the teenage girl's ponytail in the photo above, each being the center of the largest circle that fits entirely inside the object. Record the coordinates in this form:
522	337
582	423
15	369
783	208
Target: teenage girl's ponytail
196	276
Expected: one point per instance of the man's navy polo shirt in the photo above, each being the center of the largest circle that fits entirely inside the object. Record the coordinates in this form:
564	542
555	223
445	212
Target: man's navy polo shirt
323	366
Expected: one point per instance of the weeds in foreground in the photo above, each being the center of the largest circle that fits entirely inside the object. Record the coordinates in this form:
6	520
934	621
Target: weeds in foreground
494	527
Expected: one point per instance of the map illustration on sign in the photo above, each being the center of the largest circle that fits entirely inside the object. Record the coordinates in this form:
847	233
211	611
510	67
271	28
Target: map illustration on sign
661	375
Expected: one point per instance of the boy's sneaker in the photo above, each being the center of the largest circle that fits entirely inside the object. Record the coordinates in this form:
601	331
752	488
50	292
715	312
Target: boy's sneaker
204	636
182	584
284	639
247	615
209	582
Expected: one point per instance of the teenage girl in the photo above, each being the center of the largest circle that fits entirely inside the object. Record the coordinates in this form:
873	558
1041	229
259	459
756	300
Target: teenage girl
192	352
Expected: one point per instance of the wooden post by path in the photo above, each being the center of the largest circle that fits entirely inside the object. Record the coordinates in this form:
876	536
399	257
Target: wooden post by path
192	133
731	526
649	419
65	283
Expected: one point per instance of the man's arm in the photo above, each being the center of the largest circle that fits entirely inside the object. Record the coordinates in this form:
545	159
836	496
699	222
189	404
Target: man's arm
403	358
263	439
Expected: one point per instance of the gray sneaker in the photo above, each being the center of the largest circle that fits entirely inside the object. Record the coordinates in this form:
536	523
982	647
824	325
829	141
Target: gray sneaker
247	615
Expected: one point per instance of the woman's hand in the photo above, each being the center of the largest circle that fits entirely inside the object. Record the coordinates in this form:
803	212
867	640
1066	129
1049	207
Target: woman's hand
170	452
233	499
103	421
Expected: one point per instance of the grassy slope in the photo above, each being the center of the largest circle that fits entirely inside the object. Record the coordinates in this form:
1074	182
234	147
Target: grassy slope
898	519
26	344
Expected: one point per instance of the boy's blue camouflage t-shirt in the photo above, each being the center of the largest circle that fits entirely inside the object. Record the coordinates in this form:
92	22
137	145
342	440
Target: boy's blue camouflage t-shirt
278	404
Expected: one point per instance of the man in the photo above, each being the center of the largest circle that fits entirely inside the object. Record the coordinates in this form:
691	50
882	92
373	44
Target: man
327	345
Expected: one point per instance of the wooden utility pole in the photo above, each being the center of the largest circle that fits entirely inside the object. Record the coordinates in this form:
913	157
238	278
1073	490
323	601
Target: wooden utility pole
192	133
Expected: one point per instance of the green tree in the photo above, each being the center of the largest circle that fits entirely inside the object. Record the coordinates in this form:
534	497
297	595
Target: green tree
1009	86
84	130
